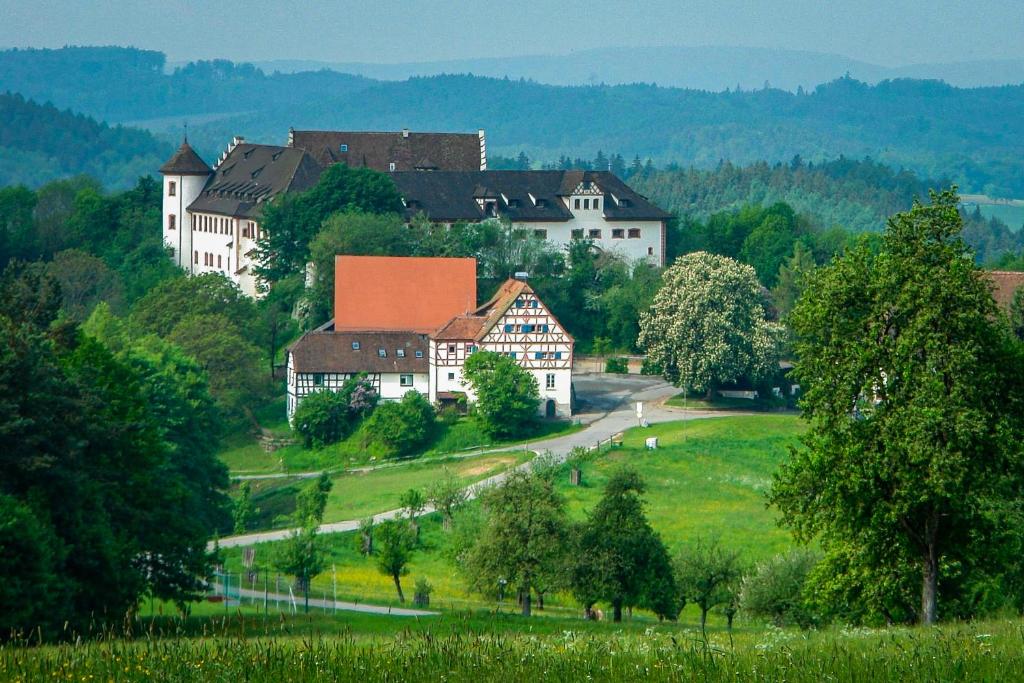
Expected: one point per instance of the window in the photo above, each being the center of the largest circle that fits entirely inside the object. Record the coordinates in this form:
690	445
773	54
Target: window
218	260
196	257
510	328
533	303
400	353
172	189
405	380
419	354
586	203
355	346
383	353
318	379
512	355
519	303
451	348
634	233
470	348
623	202
172	221
558	355
618	233
528	328
576	203
577	233
513	203
549	380
541	233
391	166
596	205
342	148
543	328
451	376
595	233
650	251
538	355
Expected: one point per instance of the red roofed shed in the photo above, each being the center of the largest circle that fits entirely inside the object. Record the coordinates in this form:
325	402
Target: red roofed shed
401	292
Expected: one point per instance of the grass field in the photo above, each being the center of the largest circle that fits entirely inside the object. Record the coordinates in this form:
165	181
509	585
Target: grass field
478	647
358	494
708	478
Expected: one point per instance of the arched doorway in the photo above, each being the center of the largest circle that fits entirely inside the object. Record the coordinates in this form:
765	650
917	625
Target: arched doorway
549	408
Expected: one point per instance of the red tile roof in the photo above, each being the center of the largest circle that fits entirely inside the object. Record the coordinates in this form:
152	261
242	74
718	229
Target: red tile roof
1005	283
401	293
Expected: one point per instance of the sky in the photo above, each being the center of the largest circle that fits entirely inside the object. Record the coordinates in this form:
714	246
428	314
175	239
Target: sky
884	32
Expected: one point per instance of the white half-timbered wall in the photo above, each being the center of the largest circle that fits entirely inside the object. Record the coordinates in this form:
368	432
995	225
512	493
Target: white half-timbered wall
530	335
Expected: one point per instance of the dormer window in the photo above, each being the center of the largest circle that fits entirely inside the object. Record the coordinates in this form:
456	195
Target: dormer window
343	148
597	203
541	203
391	166
623	203
586	203
256	174
400	353
513	203
383	353
275	155
355	346
576	203
490	209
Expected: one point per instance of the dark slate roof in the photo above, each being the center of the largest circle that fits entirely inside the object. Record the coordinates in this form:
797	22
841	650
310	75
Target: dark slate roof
426	151
252	174
329	351
520	195
185	162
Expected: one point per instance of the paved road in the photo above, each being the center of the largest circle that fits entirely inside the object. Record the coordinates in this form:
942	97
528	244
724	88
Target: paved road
320	603
608	405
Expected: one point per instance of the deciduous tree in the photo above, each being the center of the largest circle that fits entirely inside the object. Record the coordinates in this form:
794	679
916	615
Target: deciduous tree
506	394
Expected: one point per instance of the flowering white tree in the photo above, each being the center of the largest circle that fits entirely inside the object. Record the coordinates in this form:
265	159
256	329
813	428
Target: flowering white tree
707	326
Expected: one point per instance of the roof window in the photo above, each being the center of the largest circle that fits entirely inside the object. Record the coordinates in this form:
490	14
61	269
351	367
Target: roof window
342	148
382	352
355	346
400	353
419	354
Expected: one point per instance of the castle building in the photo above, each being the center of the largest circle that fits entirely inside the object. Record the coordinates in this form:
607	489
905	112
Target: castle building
410	323
558	206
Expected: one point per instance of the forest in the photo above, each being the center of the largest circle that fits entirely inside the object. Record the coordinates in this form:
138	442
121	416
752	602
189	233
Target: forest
972	136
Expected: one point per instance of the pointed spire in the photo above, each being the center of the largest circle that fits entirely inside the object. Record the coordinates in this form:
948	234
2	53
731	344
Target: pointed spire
185	162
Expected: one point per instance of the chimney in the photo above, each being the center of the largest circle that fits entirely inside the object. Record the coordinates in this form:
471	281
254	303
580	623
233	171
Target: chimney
405	132
483	149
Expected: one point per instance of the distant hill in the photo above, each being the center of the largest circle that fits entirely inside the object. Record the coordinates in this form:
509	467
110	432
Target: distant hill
973	136
711	67
39	143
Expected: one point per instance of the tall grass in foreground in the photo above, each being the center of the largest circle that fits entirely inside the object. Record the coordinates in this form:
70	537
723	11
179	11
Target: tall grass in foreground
991	651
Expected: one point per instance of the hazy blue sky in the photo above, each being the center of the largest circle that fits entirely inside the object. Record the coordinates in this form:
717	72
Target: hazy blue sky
887	32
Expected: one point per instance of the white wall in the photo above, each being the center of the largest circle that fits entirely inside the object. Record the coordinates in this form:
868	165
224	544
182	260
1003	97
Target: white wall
633	249
187	188
392	390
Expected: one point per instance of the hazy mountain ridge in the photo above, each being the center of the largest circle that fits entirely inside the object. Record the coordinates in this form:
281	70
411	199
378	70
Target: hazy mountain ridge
713	68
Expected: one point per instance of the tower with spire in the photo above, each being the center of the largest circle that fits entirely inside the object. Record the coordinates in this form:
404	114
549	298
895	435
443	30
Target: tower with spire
185	175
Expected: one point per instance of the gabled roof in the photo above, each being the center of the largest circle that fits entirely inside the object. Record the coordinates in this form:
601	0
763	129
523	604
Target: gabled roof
1004	284
447	196
401	292
405	149
332	351
252	174
185	161
476	325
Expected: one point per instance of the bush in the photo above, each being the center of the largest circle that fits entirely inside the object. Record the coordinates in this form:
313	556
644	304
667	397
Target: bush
403	427
619	366
325	417
449	415
649	367
506	395
421	592
775	589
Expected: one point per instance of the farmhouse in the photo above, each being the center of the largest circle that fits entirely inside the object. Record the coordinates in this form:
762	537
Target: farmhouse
409	323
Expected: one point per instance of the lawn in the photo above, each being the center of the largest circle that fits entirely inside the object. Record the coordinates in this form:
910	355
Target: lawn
755	405
708	478
357	494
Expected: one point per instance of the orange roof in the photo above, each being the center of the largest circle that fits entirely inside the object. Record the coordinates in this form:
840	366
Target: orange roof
1005	283
401	292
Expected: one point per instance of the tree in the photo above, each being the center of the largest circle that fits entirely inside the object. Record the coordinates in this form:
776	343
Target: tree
775	589
243	508
620	559
364	542
413	501
1017	313
302	555
85	280
401	427
395	544
789	283
164	307
523	542
506	394
707	324
230	361
447	494
292	220
704	572
911	461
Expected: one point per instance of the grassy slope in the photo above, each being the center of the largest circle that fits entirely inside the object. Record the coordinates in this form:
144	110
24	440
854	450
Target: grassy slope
708	478
359	494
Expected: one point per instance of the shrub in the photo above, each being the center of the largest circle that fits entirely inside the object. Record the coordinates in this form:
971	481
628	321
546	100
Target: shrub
401	427
619	366
649	367
775	589
325	417
421	592
449	415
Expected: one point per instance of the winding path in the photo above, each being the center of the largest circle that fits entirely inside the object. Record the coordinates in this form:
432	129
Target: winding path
609	408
